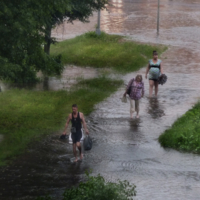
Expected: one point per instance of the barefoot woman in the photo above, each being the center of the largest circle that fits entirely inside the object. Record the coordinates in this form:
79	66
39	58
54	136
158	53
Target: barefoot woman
154	69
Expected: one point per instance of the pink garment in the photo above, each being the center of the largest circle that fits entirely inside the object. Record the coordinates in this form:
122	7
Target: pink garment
137	89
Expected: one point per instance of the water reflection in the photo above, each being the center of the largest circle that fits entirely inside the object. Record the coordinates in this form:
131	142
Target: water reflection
46	83
155	109
70	76
134	125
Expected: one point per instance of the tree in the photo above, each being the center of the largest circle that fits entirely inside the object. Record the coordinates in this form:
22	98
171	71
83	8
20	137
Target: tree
22	36
25	26
77	10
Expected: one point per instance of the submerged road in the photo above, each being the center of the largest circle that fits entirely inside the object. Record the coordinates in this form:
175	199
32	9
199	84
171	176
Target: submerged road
125	148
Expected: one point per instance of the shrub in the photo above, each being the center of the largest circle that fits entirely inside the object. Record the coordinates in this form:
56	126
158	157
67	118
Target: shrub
96	188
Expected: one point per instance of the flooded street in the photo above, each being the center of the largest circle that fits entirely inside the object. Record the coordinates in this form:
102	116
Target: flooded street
124	148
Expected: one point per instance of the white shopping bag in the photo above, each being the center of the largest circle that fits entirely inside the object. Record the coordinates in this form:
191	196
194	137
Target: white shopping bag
70	137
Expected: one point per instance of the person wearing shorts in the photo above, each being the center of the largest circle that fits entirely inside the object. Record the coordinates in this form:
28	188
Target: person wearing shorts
77	119
154	69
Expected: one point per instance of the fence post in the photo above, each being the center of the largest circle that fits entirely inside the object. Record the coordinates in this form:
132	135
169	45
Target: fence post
158	17
98	31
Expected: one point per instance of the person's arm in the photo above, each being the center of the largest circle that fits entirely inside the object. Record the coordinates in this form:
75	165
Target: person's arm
147	71
84	123
161	68
66	125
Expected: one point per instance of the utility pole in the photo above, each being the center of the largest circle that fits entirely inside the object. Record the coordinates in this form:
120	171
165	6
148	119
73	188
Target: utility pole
98	31
158	17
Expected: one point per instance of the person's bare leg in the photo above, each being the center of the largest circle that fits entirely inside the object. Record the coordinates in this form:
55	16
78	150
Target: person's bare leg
151	84
74	151
137	108
78	144
131	108
156	88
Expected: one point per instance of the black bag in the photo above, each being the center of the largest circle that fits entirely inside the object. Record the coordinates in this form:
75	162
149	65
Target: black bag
162	79
62	137
87	143
129	89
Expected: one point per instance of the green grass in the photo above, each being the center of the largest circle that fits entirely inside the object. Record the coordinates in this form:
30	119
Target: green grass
27	115
111	51
185	132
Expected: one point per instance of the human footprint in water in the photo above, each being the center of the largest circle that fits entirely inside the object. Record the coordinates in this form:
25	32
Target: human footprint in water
136	93
77	119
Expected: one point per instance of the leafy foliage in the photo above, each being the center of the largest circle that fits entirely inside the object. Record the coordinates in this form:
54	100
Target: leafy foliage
25	27
79	10
185	132
21	27
97	188
15	72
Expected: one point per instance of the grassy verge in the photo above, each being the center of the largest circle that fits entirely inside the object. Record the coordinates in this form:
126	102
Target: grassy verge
27	115
185	132
110	51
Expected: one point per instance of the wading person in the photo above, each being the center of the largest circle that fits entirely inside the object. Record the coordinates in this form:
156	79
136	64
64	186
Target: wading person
154	69
136	87
77	119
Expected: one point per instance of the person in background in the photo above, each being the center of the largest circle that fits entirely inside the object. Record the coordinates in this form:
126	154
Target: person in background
136	93
154	69
77	119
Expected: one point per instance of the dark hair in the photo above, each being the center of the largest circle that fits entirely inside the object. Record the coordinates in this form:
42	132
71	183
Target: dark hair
75	106
155	53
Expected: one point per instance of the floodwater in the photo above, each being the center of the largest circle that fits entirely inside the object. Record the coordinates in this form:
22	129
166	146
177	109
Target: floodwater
69	77
124	148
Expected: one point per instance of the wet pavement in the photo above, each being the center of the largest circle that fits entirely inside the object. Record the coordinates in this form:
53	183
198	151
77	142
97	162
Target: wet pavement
125	148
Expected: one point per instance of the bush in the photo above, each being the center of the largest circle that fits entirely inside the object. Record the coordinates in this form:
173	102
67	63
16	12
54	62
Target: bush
96	188
15	73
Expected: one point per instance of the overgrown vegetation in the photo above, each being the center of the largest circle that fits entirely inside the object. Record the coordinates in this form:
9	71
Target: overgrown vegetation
96	188
102	51
184	133
26	115
25	28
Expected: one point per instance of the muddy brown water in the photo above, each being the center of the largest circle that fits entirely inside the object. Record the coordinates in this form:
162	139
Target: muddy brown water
127	149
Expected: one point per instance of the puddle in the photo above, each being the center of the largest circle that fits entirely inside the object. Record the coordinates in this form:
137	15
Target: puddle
70	76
